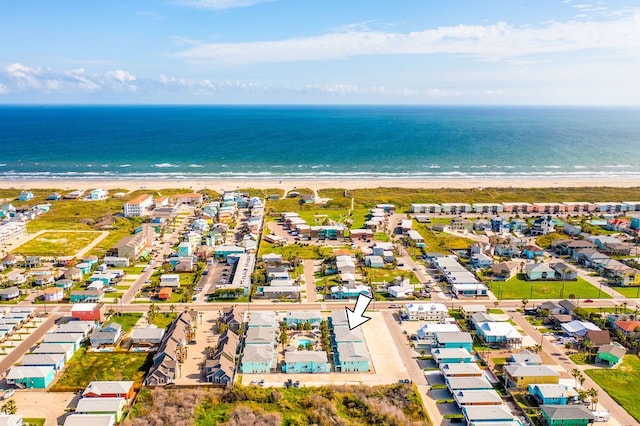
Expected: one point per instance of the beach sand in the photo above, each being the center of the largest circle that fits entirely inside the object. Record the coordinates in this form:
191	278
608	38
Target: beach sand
230	184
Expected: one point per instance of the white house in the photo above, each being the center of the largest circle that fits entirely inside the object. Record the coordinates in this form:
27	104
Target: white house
170	280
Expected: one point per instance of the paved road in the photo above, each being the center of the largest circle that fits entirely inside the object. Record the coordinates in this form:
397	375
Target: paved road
617	412
31	340
310	280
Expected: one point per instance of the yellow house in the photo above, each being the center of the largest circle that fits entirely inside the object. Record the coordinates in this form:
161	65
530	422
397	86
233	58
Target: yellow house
521	376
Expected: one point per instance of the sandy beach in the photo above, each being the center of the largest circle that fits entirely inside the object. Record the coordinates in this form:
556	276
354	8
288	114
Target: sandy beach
230	184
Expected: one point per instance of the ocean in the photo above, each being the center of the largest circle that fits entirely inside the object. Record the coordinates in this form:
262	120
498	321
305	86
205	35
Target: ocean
317	142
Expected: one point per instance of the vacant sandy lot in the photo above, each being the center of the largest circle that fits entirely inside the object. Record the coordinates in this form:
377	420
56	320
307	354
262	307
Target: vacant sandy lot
47	405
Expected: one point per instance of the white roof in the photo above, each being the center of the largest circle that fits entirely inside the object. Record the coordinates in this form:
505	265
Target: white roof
100	405
435	328
107	387
83	307
20	372
498	329
426	307
579	327
90	419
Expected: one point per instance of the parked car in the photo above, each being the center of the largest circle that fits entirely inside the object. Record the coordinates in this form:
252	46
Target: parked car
8	394
588	301
394	305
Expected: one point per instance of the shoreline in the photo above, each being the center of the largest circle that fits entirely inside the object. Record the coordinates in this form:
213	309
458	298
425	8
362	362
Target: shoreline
314	184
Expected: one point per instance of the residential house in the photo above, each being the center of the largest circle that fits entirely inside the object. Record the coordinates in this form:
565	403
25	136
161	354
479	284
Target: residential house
373	262
455	208
98	194
461	225
88	311
611	354
139	206
578	328
43	360
295	318
454	339
543	226
492	414
539	271
73	273
525	357
465	369
598	338
85	296
53	294
352	357
67	349
505	270
468	310
532	251
232	319
9	293
630	328
477	397
263	319
109	335
30	377
564	271
110	389
147	336
498	333
426	335
64	284
481	260
306	362
568	305
170	280
74	338
521	376
83	327
426	208
451	355
90	419
25	196
258	358
556	394
455	384
110	406
221	369
563	415
435	312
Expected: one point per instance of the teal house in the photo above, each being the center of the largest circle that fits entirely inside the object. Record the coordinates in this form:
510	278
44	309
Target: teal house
222	252
85	296
306	362
352	357
552	394
567	415
31	377
258	359
184	249
454	339
294	318
611	354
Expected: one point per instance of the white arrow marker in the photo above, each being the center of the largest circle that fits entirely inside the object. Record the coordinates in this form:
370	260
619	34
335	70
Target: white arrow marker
355	317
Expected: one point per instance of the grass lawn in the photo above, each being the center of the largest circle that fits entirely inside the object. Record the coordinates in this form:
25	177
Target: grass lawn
292	250
632	292
163	320
113	295
31	421
85	367
618	382
389	275
518	288
127	321
440	242
57	243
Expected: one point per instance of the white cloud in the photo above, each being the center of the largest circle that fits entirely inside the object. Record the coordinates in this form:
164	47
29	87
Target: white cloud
489	42
220	4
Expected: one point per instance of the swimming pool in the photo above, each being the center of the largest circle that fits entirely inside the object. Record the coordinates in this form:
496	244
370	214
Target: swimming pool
303	341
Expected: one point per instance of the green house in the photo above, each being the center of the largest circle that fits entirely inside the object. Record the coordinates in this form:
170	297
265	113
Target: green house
567	415
611	354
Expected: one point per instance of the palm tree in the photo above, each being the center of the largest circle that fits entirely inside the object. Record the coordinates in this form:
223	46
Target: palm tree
575	373
581	379
593	393
524	304
537	348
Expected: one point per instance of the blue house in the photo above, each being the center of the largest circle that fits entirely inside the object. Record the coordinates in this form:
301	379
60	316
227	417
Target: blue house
455	339
294	318
499	225
25	196
352	357
635	223
531	252
343	292
184	249
306	362
481	260
518	225
258	359
553	394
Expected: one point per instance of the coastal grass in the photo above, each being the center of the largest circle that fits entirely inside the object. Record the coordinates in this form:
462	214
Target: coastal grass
57	243
404	197
85	367
353	405
389	275
441	242
519	288
618	381
291	251
163	320
34	421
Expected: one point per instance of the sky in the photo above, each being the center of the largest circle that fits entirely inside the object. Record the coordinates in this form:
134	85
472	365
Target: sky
449	52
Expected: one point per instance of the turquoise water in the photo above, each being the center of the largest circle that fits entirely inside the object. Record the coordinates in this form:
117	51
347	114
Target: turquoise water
303	342
304	142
